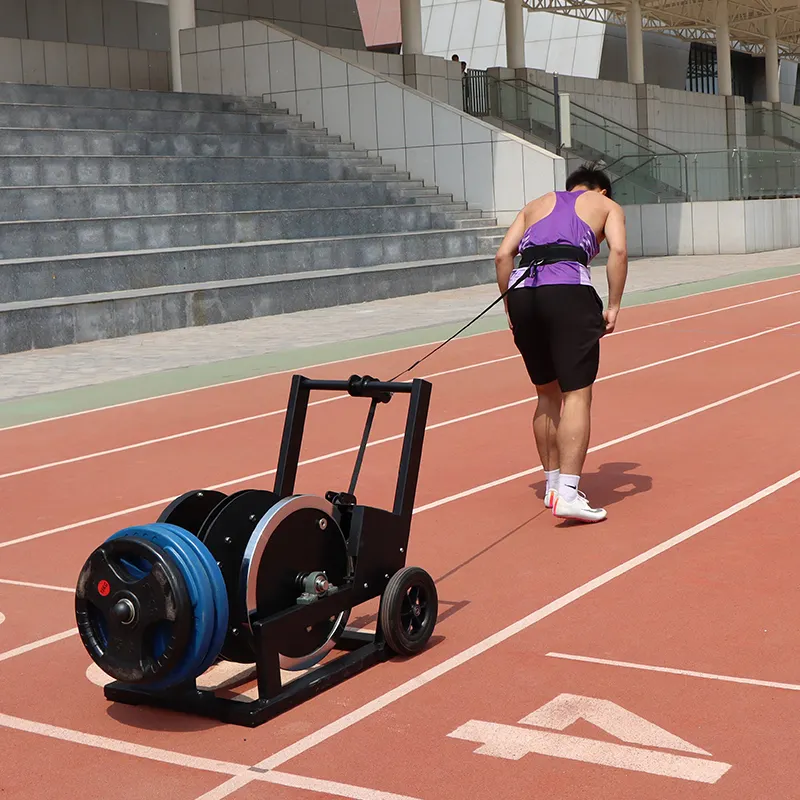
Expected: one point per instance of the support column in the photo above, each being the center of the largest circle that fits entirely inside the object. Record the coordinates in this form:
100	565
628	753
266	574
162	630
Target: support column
181	17
724	73
633	23
771	54
411	25
515	35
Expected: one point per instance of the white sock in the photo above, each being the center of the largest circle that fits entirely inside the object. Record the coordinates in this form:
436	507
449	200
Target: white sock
552	480
568	487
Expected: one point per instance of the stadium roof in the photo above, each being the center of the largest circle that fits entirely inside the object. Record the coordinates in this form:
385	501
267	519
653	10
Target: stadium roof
694	20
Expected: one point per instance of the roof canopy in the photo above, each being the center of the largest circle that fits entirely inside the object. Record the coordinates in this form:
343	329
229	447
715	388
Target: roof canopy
695	20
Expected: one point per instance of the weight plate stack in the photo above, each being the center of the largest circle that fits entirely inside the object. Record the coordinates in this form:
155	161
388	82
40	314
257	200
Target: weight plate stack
224	524
134	611
152	606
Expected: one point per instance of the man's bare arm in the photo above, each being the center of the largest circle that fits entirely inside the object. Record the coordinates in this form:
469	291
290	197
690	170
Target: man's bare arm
617	267
504	258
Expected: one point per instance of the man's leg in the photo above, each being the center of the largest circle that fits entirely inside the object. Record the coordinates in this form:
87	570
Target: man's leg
573	442
577	358
573	439
545	431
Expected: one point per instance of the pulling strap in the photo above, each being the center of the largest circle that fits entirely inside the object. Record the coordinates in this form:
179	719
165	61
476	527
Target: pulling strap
533	257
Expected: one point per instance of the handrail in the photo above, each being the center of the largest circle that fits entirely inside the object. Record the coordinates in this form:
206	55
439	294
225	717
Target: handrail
582	110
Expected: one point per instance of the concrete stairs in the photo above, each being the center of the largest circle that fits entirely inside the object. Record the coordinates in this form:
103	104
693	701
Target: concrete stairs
126	212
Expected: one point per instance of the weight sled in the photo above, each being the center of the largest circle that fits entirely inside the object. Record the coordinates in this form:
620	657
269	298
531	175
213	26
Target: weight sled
295	565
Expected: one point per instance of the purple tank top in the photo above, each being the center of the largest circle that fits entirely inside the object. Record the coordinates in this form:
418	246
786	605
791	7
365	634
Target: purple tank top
561	226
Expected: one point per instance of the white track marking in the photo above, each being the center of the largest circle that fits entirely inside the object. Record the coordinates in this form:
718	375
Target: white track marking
627	437
448	665
400	350
164	501
2	617
26	648
267	414
326	787
793	687
8	582
243	772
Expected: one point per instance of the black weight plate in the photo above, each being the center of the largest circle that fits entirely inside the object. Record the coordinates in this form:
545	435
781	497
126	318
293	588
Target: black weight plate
191	509
225	533
133	610
296	546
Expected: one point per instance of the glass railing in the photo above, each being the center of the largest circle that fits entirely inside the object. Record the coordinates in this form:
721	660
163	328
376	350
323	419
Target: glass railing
627	154
737	174
765	124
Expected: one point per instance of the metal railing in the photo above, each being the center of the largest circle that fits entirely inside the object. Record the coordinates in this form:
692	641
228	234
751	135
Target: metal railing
626	153
475	85
643	170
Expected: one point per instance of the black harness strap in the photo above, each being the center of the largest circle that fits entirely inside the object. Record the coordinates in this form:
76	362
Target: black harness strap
532	258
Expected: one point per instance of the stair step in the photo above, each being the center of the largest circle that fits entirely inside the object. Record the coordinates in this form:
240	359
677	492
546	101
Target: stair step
39	277
44	238
73	96
105	315
93	200
32	142
123	170
18	115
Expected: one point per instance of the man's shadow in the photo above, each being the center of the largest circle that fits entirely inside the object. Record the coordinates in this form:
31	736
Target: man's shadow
613	482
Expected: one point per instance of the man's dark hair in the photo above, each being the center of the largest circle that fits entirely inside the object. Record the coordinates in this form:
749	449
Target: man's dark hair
591	176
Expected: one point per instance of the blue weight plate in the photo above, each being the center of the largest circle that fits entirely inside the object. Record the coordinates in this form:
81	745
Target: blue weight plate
218	589
200	595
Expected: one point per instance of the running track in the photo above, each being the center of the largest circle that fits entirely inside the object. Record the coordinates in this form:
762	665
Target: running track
679	609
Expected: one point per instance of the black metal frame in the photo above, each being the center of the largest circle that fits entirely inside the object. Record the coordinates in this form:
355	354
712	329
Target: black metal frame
377	542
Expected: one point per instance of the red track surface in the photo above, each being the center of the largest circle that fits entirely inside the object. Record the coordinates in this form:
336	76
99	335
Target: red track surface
679	436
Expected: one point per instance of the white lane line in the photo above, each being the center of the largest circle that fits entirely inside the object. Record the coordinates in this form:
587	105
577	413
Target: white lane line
627	437
254	417
9	582
325	787
247	478
240	771
448	665
26	648
793	687
215	427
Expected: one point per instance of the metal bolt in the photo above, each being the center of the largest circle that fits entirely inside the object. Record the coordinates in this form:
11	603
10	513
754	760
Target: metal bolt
401	550
323	523
366	586
253	518
199	494
125	611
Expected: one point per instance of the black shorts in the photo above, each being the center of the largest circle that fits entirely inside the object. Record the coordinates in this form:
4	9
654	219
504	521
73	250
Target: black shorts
557	330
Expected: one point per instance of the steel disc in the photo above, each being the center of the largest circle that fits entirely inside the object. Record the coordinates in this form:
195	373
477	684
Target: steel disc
296	536
190	510
134	611
226	532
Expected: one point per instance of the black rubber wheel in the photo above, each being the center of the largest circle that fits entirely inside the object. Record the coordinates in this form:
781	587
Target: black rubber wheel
408	611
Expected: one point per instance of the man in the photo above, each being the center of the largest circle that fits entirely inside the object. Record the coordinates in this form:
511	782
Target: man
557	320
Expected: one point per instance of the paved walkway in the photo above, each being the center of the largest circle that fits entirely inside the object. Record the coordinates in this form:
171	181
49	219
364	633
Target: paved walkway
155	363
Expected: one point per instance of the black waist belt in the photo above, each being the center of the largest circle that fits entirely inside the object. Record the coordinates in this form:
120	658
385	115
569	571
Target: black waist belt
537	255
540	254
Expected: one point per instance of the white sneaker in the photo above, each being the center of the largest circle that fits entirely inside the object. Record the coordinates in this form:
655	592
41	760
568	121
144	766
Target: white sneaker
550	498
579	509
